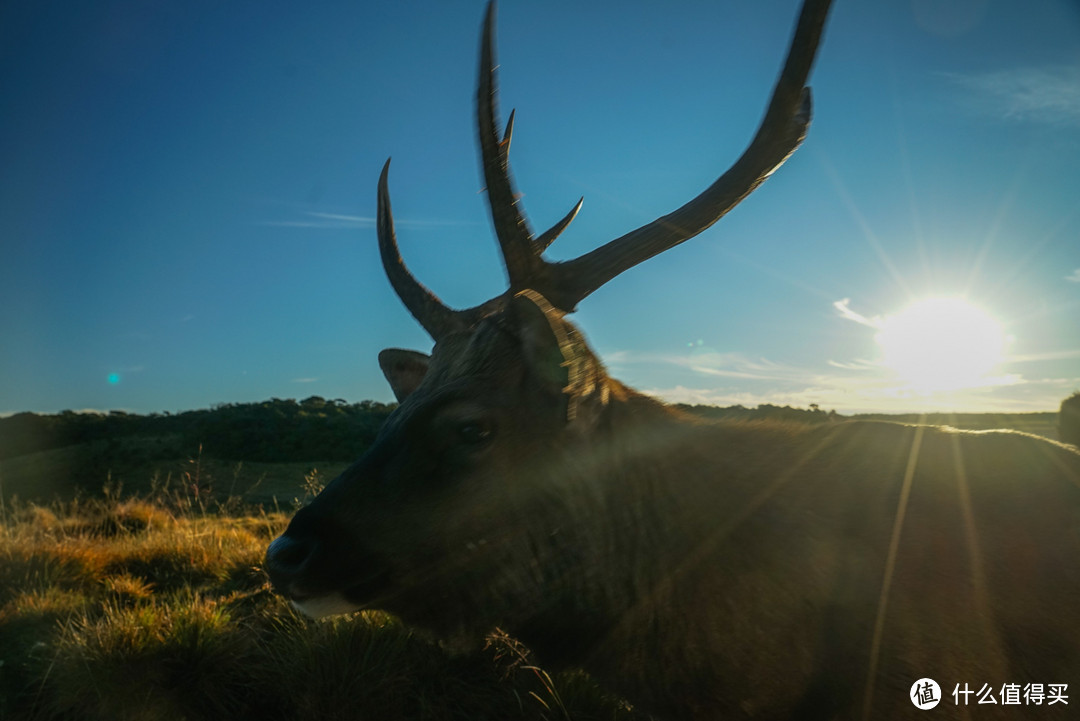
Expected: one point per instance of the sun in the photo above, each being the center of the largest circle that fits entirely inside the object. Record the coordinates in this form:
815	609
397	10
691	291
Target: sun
942	344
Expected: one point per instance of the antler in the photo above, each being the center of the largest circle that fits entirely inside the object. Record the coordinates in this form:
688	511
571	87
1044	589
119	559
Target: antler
781	131
565	284
520	250
436	318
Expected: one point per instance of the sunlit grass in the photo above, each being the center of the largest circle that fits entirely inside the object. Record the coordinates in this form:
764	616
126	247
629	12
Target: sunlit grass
157	608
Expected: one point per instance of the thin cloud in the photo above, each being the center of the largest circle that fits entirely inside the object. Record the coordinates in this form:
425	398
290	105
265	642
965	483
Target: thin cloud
338	220
848	385
866	393
726	373
1074	277
304	380
1047	94
324	221
844	306
1067	354
855	365
726	365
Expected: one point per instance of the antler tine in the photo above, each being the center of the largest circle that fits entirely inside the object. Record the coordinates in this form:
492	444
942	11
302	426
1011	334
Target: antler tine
542	241
781	131
511	227
508	134
539	244
565	284
436	318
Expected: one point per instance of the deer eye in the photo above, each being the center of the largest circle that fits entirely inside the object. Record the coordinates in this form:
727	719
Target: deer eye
474	432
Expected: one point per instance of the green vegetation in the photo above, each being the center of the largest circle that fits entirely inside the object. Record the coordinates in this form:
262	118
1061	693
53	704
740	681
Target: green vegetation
273	431
156	608
255	450
1069	419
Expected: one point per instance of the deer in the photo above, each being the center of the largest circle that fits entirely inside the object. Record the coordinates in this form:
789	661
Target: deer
699	569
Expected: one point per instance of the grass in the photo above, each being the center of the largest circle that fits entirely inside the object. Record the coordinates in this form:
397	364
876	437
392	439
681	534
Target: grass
155	607
143	466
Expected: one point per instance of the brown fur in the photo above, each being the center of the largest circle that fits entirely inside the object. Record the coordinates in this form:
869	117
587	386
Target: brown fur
747	570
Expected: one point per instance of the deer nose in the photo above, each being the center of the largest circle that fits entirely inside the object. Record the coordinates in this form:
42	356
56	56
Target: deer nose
287	558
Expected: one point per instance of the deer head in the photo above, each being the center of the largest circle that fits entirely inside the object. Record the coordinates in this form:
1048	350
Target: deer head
474	505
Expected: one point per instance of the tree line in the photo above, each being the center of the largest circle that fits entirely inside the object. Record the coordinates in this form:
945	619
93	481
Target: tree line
1069	420
277	430
286	430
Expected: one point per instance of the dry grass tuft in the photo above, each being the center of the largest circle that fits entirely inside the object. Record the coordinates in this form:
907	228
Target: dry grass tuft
157	608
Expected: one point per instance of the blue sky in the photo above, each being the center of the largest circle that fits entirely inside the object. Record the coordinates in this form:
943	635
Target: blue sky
187	192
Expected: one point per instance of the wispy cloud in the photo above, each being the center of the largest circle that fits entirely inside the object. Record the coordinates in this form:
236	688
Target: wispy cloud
1025	397
699	374
1074	277
710	363
868	387
1047	94
844	306
338	220
855	365
848	385
1068	354
323	220
304	380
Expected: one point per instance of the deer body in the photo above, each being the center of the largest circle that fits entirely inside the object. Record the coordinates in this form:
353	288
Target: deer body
705	570
702	570
767	569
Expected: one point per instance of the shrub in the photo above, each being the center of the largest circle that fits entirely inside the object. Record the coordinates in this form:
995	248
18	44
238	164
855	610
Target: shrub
1069	420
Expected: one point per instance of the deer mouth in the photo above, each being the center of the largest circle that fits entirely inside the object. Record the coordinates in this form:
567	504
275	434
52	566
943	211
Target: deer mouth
304	572
333	603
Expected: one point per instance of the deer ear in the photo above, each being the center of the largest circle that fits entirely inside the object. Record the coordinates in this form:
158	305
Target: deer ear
404	369
538	325
557	353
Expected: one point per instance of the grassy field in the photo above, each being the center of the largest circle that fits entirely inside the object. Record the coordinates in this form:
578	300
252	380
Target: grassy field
155	607
144	466
146	600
